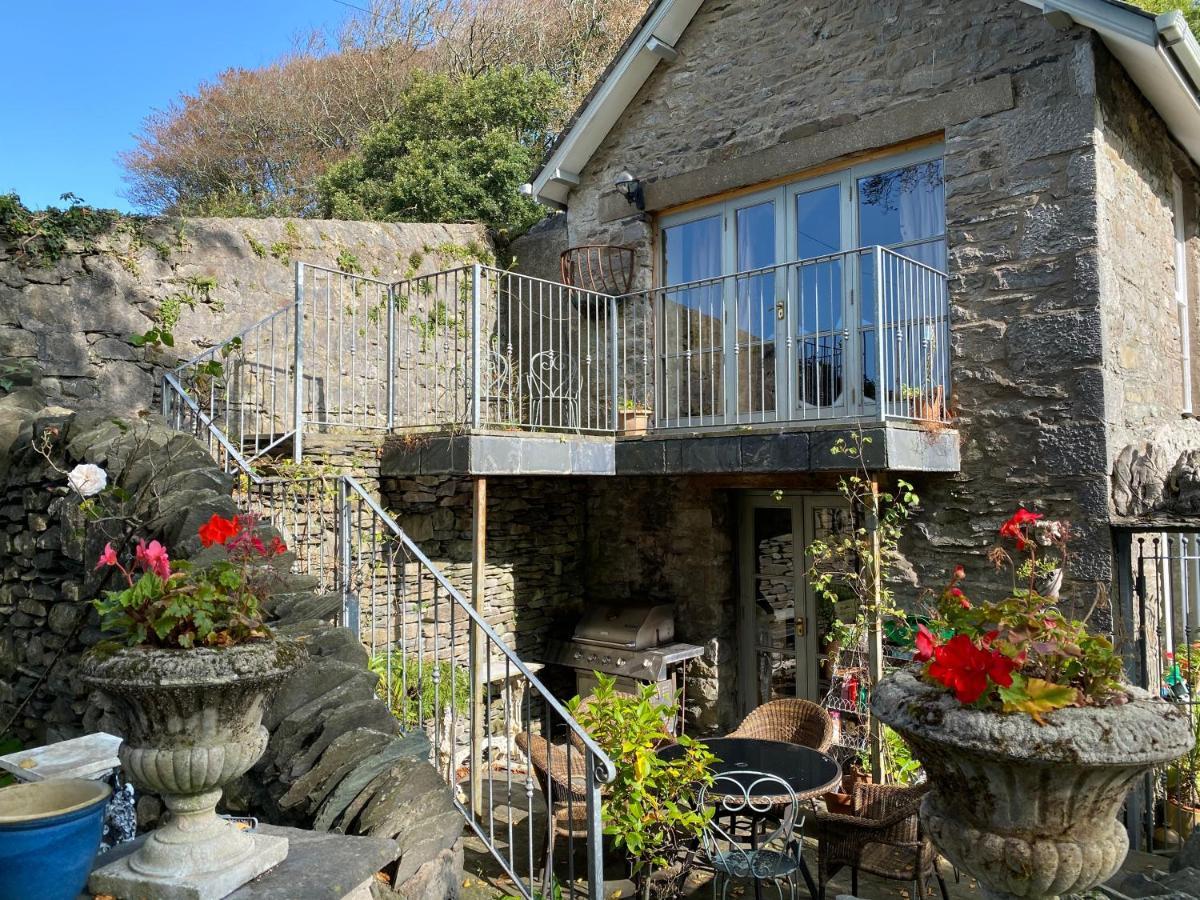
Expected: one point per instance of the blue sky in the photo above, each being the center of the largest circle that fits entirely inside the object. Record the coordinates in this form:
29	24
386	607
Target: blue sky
82	74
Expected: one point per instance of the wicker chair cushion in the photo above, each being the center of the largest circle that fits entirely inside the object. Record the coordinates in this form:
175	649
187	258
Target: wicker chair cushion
898	861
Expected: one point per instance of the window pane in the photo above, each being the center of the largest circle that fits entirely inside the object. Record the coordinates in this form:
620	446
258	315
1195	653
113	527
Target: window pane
818	222
902	205
692	251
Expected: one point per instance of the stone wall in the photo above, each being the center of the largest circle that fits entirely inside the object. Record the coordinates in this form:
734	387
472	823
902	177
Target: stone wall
75	316
336	758
534	547
1150	444
671	540
1015	100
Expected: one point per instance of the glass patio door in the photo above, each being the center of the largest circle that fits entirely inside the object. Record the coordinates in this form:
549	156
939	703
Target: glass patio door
822	288
778	642
719	312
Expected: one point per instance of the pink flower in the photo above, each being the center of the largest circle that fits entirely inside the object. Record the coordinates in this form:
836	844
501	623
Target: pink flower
153	557
107	558
925	644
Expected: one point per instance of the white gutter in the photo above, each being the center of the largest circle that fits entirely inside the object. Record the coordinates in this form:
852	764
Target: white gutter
1160	53
654	43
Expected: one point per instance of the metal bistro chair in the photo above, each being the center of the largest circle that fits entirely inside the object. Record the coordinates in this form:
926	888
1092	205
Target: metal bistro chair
773	857
553	381
793	721
499	399
883	837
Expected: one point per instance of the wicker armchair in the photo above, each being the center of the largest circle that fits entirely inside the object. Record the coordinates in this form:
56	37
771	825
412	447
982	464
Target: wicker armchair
791	720
883	837
562	777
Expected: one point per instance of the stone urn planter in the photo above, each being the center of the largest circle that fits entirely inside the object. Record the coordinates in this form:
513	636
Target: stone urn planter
191	721
1030	810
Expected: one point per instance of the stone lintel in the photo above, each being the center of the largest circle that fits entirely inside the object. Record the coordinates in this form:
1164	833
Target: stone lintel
809	144
892	448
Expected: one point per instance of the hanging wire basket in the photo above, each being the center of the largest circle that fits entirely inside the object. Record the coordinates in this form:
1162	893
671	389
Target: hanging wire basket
603	268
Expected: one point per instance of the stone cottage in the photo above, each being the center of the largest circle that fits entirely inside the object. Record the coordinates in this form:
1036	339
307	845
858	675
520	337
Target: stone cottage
966	229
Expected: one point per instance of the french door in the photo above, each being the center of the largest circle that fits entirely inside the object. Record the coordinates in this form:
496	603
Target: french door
745	338
778	630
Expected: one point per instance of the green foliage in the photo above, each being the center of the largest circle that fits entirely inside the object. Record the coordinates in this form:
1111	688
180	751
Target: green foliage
651	808
8	744
16	372
456	152
43	237
257	247
844	563
1191	11
216	606
199	289
1183	678
348	262
899	764
418	690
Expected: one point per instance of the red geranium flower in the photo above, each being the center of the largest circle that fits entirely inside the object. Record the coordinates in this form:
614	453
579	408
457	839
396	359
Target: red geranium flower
218	530
966	669
1013	527
925	644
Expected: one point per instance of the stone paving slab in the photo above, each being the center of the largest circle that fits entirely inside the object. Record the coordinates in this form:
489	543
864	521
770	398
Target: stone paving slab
319	866
90	756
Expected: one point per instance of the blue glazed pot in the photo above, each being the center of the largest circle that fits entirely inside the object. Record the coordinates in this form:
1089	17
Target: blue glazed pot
49	834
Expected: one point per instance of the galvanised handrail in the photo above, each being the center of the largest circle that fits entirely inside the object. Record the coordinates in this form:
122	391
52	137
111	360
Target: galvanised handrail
481	347
390	587
246	384
426	638
178	406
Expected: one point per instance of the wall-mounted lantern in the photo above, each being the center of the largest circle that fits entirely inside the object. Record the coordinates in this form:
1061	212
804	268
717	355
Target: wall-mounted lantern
631	189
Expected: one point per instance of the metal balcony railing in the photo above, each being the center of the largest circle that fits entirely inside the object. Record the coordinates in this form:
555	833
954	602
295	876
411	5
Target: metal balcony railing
860	335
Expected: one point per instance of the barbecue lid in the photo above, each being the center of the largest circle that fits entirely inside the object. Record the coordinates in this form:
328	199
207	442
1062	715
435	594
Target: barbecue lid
636	627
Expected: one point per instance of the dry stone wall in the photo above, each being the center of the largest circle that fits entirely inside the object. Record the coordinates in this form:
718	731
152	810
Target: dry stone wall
75	316
533	576
336	758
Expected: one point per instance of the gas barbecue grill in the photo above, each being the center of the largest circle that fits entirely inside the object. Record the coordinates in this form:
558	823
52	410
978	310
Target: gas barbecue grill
635	644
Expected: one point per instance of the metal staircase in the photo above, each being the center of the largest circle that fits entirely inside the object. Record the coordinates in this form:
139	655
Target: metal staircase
329	361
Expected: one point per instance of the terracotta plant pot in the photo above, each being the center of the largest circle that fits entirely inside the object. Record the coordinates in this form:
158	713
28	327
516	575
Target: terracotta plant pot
839	804
1030	810
634	421
1180	817
191	722
929	408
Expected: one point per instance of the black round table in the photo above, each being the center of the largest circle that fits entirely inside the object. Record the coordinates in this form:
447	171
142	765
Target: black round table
808	772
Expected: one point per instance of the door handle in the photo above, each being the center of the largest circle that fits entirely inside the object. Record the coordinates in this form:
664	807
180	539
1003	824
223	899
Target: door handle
780	310
801	626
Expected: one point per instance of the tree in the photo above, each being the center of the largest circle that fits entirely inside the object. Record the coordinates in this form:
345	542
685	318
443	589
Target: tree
1190	10
256	142
457	151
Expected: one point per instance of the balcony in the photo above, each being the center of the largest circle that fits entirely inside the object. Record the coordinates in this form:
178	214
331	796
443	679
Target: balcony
484	371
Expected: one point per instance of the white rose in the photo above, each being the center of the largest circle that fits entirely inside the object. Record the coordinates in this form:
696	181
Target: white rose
87	480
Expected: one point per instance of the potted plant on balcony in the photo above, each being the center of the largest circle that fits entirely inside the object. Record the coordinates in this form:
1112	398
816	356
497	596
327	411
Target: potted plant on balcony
189	675
1029	737
633	418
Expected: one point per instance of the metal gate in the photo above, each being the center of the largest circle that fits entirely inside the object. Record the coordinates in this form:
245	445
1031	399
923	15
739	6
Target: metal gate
1159	632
